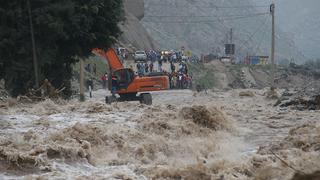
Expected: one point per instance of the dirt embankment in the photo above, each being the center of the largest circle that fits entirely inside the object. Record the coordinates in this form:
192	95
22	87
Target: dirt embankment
226	76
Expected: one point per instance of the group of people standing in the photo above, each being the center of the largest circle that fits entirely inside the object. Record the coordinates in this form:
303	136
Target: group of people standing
170	63
180	79
144	68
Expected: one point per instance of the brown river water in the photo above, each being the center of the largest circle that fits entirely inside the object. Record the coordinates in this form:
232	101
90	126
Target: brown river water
183	135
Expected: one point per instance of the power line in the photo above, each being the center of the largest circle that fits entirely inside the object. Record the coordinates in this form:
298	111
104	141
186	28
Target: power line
264	33
207	7
204	21
221	21
253	34
285	40
233	15
218	19
224	25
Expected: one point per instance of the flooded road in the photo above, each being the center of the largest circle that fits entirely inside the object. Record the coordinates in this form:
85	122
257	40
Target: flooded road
128	140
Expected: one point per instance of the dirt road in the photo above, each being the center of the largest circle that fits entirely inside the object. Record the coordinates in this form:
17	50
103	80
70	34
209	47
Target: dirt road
133	141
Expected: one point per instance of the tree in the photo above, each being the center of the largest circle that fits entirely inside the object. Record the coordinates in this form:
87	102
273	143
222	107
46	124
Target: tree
64	31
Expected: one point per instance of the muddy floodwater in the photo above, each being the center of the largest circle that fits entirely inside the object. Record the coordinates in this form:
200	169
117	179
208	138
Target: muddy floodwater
183	135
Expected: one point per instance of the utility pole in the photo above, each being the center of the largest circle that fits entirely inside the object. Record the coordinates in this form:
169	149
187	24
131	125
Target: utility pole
231	35
35	60
232	46
82	98
272	11
227	38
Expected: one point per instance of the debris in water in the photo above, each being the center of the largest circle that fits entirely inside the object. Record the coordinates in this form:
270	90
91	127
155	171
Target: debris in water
301	103
98	108
272	93
312	176
297	154
211	118
246	94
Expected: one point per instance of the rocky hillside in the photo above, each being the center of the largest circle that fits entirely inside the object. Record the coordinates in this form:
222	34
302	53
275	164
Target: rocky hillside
202	26
134	34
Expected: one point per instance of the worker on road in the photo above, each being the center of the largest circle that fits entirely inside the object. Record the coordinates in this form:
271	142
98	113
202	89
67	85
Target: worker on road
104	79
114	85
185	68
146	67
151	67
180	67
142	69
160	65
138	67
173	67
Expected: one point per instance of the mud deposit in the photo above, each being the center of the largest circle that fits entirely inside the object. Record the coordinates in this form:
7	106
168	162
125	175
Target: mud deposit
219	135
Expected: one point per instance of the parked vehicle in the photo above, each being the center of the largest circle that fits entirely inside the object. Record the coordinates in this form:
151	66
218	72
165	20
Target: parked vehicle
140	56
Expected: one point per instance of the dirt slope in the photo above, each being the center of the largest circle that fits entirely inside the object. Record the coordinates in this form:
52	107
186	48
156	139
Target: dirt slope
226	76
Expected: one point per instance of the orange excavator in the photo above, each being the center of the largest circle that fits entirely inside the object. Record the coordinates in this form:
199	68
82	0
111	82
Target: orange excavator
126	84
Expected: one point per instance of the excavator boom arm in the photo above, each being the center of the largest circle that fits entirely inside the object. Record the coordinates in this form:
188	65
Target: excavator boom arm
111	56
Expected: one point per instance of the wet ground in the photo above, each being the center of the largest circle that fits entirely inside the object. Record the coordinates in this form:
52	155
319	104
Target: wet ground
132	141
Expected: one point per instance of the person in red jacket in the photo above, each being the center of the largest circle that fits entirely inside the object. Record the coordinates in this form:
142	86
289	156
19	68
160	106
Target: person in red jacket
104	79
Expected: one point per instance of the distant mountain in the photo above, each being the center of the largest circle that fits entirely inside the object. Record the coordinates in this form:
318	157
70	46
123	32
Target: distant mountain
203	25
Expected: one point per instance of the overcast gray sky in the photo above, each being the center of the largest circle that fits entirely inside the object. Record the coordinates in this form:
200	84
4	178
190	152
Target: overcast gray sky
301	20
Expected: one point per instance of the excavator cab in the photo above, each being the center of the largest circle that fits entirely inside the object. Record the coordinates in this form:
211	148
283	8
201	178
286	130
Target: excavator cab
124	78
